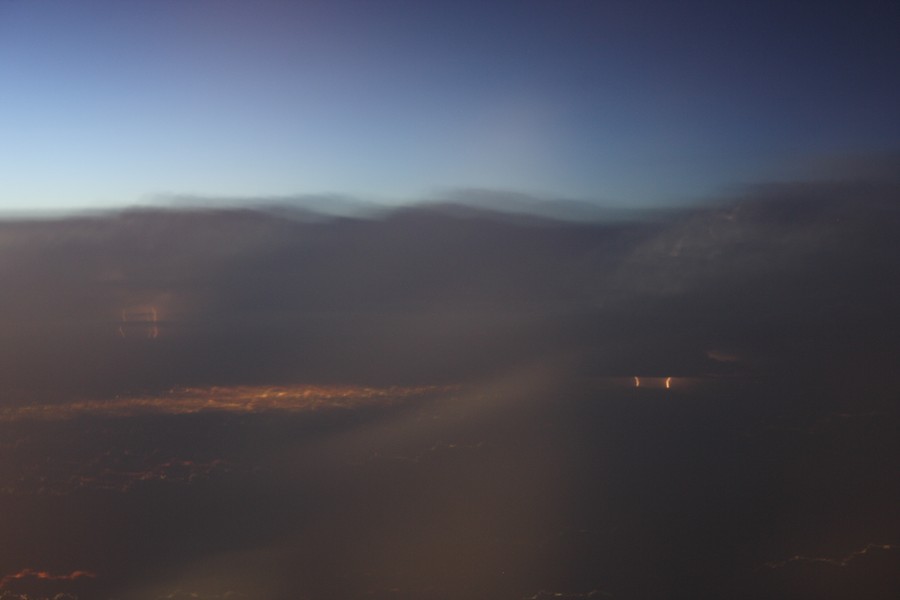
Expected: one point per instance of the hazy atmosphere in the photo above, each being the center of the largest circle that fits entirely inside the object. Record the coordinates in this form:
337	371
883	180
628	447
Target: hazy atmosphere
449	301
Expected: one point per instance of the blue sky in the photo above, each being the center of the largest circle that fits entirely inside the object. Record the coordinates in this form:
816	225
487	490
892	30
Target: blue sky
626	103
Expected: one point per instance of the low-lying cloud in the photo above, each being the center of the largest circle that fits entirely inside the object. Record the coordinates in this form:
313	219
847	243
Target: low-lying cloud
143	301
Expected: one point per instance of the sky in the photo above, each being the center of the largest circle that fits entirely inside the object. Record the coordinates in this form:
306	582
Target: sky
109	104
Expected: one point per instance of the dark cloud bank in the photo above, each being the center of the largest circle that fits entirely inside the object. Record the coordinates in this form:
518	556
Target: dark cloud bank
797	277
532	470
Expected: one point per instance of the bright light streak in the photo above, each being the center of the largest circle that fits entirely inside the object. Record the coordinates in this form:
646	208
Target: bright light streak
241	399
668	382
637	382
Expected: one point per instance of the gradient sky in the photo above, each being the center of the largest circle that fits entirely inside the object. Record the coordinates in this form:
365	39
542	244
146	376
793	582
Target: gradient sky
636	103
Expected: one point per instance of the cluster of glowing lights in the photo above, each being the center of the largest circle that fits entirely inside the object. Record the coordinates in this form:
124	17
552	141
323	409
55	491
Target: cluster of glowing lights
185	471
836	562
43	575
239	399
63	477
667	382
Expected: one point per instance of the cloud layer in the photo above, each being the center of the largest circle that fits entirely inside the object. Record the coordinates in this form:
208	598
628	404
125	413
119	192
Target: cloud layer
448	402
146	301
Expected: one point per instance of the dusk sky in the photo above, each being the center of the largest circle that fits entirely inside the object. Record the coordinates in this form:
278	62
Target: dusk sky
106	104
382	300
